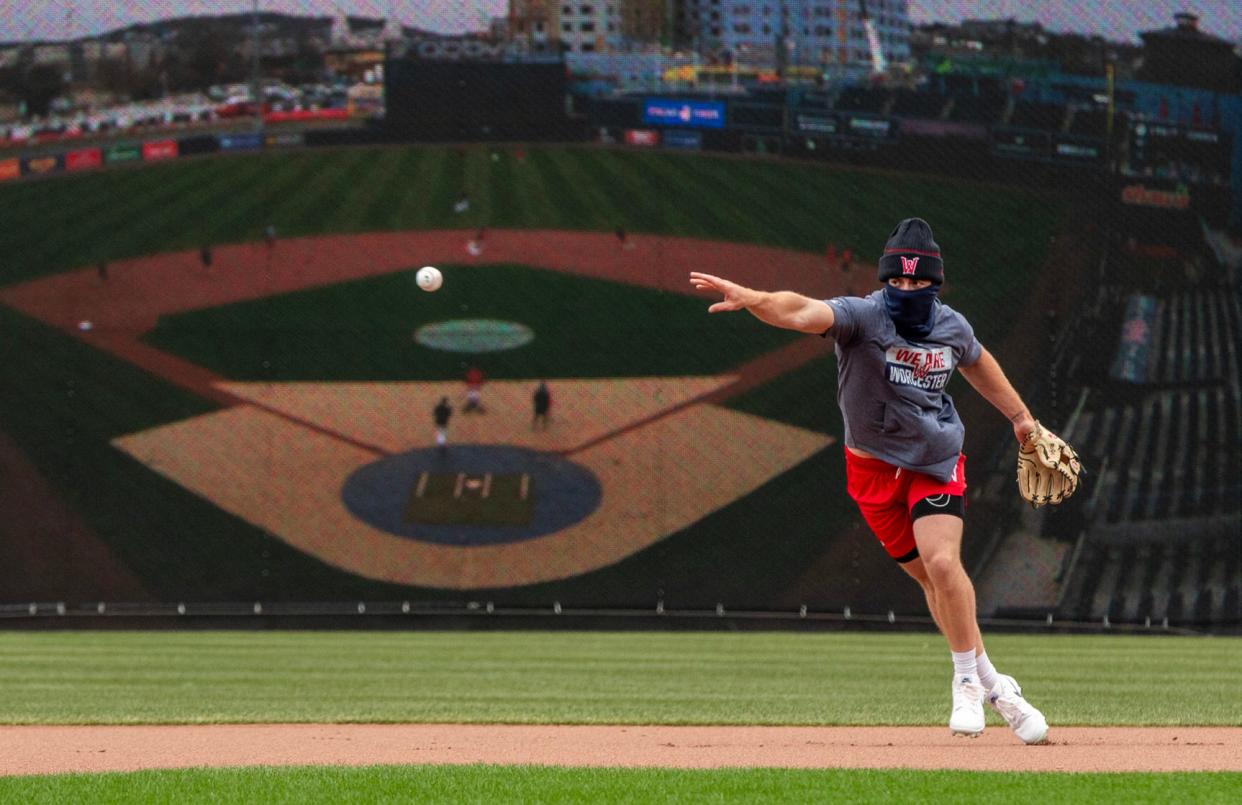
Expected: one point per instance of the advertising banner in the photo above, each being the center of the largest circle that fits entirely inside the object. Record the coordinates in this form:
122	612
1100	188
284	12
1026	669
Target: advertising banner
122	153
870	127
1069	149
684	140
285	139
1140	195
84	159
249	141
10	169
157	150
643	137
816	124
39	166
690	114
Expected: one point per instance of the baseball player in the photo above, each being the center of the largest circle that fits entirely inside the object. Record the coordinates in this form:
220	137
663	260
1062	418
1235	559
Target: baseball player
896	349
441	414
542	399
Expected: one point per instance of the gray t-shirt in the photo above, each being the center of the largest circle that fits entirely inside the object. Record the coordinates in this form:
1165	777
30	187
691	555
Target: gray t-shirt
891	391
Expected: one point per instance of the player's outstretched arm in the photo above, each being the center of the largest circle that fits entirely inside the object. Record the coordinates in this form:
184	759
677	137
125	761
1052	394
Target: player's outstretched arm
786	309
989	380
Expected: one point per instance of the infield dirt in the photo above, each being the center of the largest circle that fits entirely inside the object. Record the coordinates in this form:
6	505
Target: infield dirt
49	750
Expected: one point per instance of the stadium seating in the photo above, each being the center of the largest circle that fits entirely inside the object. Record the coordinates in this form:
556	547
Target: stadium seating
1159	534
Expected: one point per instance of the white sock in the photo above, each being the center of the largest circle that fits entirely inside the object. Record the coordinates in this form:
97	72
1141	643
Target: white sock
987	672
964	663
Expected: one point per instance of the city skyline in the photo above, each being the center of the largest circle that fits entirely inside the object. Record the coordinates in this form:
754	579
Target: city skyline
25	20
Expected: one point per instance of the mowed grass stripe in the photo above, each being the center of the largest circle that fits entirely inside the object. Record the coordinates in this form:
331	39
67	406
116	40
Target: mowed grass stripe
68	210
127	224
543	784
413	204
707	196
572	200
177	221
477	179
673	205
736	201
92	237
369	181
200	211
266	199
534	195
712	211
807	212
685	193
500	192
325	196
63	198
383	211
447	186
594	678
755	198
311	194
629	191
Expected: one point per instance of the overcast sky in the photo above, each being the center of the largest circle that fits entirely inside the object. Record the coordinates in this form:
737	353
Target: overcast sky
1114	19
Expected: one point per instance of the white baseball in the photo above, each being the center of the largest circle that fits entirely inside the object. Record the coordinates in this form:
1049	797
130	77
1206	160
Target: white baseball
429	278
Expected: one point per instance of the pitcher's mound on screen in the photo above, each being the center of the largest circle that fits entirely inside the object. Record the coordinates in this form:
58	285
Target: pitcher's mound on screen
472	494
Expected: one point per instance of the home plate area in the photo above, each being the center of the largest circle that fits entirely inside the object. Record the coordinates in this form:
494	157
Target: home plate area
462	498
472	494
335	469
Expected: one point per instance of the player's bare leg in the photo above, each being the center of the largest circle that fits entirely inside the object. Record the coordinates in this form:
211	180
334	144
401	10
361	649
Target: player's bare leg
939	540
951	601
917	571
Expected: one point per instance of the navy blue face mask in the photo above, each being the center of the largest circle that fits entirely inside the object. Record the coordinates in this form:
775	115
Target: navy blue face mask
911	311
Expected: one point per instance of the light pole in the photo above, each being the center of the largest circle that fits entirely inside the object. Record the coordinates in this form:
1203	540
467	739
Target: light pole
256	75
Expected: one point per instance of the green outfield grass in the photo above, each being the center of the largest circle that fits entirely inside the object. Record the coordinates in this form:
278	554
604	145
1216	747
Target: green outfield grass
363	330
64	401
594	678
557	785
992	236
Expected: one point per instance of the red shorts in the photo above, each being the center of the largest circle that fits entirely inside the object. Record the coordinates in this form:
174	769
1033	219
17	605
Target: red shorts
885	495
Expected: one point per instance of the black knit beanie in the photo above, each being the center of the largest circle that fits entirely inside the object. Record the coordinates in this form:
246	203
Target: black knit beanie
911	252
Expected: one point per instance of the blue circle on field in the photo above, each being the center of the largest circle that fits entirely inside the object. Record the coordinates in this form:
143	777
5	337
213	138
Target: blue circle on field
562	492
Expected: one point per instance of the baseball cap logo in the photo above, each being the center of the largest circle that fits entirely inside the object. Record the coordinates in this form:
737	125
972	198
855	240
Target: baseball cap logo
908	265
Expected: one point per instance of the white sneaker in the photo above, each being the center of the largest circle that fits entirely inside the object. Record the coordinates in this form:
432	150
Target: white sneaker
967	716
1026	722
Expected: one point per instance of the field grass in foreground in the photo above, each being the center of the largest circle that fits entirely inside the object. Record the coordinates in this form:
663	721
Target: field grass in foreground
544	784
595	678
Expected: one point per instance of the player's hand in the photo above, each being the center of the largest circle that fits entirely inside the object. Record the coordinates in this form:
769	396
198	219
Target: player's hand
736	297
1023	425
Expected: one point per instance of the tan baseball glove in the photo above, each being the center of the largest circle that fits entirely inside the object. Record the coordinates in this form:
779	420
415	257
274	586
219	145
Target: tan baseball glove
1048	468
